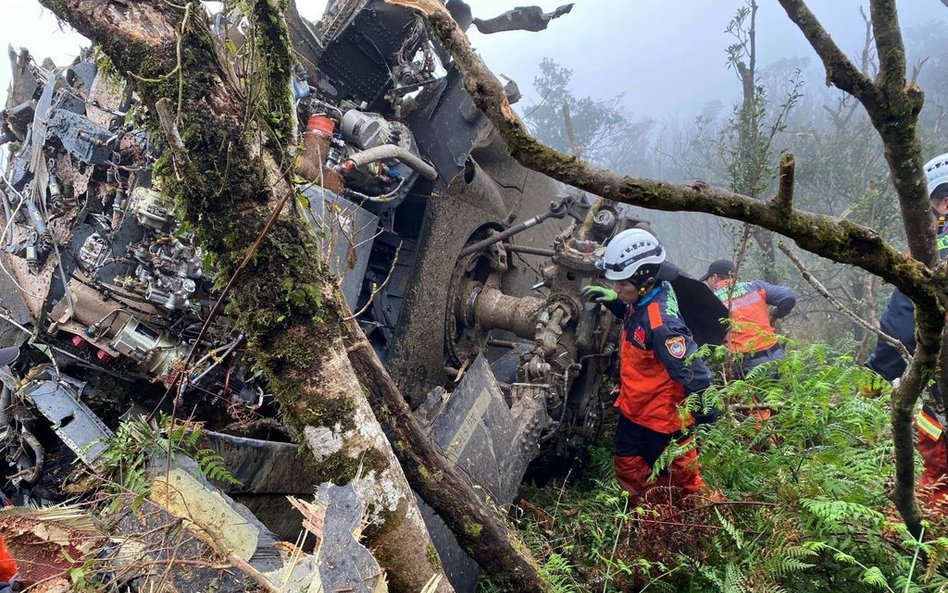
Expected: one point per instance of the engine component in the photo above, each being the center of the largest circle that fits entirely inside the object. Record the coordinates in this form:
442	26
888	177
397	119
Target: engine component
80	137
94	251
150	208
365	130
391	151
155	350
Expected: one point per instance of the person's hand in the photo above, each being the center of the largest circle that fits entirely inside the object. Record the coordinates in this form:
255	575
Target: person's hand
871	385
598	294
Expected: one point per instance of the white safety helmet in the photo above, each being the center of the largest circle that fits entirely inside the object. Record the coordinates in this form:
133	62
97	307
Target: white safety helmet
632	252
936	172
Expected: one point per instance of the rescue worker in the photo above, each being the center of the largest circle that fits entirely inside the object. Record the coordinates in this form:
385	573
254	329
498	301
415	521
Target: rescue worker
655	372
751	332
898	321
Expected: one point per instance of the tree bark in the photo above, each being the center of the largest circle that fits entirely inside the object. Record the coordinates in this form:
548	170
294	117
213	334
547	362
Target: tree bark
230	170
480	530
893	107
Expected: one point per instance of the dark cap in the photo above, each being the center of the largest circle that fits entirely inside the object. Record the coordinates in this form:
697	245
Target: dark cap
721	267
8	355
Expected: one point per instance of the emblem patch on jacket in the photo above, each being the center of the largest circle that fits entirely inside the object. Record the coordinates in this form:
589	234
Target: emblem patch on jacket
638	336
676	346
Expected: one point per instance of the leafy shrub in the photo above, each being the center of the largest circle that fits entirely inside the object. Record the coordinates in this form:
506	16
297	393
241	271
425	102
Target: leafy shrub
805	506
137	441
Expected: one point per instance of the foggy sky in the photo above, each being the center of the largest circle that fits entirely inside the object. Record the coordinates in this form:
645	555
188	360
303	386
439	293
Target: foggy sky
666	57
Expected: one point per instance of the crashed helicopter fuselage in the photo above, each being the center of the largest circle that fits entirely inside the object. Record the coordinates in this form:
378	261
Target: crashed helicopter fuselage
457	261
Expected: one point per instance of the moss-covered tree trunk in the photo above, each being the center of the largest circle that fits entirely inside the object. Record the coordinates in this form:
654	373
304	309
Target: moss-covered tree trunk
232	146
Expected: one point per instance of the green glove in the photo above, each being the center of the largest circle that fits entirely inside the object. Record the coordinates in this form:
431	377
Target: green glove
599	294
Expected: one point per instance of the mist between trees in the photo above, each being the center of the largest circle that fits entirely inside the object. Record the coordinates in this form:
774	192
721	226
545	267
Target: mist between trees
785	106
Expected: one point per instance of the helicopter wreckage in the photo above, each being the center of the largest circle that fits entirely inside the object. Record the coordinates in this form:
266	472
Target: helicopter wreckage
472	299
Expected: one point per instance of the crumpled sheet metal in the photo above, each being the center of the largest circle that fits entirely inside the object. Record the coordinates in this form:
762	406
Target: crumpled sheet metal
337	518
73	421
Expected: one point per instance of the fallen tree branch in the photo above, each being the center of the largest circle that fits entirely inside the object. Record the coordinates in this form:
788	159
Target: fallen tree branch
841	241
845	310
845	75
483	533
283	298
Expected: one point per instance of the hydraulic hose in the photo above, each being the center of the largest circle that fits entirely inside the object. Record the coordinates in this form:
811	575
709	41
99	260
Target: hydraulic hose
392	151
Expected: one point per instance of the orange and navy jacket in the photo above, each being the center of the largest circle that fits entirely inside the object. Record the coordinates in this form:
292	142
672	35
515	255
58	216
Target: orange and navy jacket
750	330
653	349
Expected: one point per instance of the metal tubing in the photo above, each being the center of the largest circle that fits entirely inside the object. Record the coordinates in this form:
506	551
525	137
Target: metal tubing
495	310
518	228
544	251
557	210
393	151
38	452
4	404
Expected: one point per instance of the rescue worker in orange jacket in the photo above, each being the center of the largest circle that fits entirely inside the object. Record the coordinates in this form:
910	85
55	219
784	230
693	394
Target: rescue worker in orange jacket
898	321
751	332
655	371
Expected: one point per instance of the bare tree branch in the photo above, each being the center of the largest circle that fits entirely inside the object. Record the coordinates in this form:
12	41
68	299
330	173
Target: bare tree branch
783	200
885	28
815	283
844	74
882	101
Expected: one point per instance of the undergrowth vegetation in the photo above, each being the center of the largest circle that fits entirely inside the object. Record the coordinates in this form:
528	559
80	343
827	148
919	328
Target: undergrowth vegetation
124	465
798	505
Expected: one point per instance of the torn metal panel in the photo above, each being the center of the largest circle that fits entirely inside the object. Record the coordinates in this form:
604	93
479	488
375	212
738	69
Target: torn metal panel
347	234
73	421
80	137
483	436
522	18
344	563
491	443
263	467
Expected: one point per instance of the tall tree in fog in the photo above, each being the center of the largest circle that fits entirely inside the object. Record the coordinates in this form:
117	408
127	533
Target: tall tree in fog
750	159
598	130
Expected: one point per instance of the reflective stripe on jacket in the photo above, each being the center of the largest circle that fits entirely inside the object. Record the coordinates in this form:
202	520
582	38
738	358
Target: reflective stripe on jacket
749	304
654	377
